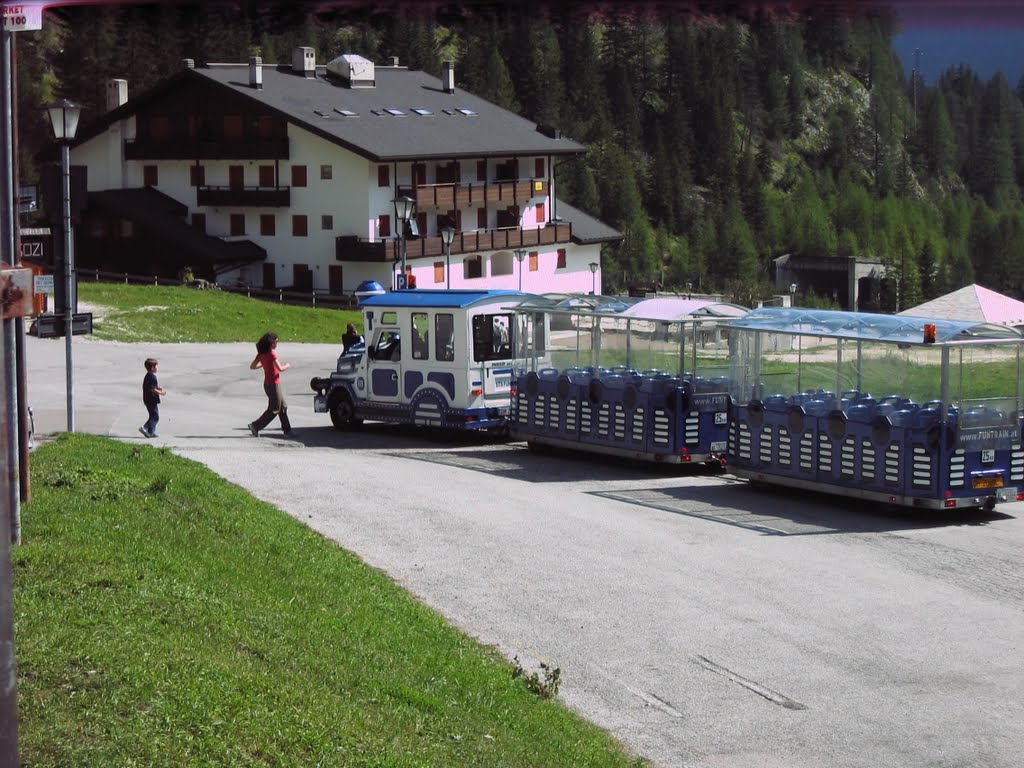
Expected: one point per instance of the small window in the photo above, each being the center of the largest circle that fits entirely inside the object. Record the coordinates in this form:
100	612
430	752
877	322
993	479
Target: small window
199	222
265	127
481	218
300	225
267	176
389	318
320	113
393	111
492	337
481	170
384	225
236	176
444	337
346	112
538	167
159	127
420	336
465	111
298	175
150	175
421	111
326	221
533	261
237	224
383	176
326	171
232	126
438	272
197	175
268	224
540	214
561	258
472	267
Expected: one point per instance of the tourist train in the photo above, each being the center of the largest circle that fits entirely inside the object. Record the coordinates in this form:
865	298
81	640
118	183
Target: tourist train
906	411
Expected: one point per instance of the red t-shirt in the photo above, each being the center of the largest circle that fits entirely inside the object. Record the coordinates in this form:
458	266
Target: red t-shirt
270	373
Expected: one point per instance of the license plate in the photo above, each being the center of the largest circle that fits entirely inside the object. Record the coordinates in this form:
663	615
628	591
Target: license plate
503	382
718	447
987	482
988	456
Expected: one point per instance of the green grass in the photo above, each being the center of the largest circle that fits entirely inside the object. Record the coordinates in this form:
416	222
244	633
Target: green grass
147	313
166	618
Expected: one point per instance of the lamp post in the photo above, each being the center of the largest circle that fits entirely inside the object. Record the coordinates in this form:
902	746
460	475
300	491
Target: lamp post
792	294
520	255
593	277
64	121
404	206
447	235
689	290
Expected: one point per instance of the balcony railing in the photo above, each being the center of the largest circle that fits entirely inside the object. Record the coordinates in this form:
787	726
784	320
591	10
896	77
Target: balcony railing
244	196
193	149
517	192
352	248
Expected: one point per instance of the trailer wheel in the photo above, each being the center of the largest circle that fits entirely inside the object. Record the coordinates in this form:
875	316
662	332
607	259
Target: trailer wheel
343	413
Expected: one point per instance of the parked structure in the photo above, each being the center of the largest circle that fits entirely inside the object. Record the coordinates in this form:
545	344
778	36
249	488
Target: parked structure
295	176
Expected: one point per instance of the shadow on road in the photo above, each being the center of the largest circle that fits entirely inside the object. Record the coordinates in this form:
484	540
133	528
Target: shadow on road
779	511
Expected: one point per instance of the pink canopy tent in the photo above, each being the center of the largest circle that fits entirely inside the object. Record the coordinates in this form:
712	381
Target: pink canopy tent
972	302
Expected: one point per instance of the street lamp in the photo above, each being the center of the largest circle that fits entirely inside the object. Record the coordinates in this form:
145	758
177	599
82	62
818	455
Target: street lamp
689	290
593	277
447	235
520	255
404	206
792	294
64	120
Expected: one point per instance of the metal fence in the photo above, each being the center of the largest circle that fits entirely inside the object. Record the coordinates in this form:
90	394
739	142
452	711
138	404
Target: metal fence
298	298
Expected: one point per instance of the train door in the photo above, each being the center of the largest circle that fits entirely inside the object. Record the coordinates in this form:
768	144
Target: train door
384	364
493	349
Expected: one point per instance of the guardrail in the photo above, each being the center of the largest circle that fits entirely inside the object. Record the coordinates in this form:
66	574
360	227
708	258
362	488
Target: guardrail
296	298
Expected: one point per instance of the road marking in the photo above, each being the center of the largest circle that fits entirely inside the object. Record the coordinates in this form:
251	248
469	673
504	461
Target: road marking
656	702
773	696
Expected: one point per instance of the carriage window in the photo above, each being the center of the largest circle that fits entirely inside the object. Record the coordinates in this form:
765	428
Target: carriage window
492	337
444	337
388	346
420	341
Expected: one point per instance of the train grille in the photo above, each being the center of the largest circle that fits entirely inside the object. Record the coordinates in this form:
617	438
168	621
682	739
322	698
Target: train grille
848	458
586	413
692	428
957	470
892	464
824	453
662	427
522	409
785	448
807	451
867	460
1016	464
571	409
638	425
619	422
766	444
922	477
554	412
603	420
743	450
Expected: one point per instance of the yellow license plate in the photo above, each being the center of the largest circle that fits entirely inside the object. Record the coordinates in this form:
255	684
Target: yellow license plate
987	482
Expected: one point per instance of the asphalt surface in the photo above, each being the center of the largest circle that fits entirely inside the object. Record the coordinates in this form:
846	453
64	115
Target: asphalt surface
703	623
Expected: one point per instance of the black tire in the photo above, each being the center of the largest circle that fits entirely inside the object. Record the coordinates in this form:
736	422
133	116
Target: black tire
343	413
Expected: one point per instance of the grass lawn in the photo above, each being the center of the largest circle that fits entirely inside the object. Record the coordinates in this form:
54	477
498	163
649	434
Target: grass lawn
164	617
179	314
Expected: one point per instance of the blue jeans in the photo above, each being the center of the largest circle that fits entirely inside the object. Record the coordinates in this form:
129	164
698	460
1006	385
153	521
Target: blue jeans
154	417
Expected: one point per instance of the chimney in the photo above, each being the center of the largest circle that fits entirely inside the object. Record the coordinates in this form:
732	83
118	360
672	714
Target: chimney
188	63
117	93
256	73
448	77
304	61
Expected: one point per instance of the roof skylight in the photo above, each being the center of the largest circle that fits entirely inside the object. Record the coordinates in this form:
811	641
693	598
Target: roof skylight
465	111
393	111
422	111
346	112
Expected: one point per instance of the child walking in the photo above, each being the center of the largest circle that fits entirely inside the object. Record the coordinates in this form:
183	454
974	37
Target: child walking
266	358
151	391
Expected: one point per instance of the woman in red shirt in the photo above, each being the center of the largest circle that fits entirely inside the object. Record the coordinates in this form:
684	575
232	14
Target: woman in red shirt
266	358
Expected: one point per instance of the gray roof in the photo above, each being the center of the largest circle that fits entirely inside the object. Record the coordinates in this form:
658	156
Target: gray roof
585	228
443	134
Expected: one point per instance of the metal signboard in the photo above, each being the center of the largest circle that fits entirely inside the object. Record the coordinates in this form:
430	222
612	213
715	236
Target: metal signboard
44	284
22	17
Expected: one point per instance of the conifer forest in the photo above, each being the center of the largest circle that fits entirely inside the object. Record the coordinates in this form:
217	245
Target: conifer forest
719	137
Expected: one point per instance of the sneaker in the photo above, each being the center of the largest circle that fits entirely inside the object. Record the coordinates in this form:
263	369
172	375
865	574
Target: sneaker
153	434
145	433
255	432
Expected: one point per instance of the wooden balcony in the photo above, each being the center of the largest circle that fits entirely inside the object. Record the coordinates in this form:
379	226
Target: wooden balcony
256	197
477	193
192	149
352	248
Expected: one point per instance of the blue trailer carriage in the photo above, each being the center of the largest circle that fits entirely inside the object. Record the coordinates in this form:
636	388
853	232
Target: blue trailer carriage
907	411
645	380
438	359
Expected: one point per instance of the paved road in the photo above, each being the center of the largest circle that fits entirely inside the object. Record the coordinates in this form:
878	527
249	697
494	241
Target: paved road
701	622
